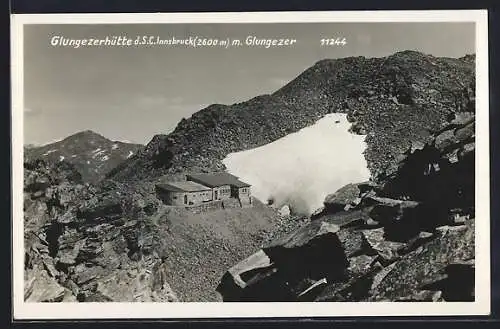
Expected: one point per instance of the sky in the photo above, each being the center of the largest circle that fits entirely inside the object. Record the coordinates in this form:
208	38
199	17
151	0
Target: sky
132	93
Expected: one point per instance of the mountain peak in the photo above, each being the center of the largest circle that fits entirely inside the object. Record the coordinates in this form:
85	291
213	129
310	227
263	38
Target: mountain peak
86	133
92	154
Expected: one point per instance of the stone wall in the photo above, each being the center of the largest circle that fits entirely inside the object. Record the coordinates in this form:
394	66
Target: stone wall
231	203
205	207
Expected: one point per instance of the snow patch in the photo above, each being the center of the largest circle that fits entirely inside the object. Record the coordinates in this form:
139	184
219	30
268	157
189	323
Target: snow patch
88	161
61	158
130	153
105	158
48	152
302	168
97	152
114	147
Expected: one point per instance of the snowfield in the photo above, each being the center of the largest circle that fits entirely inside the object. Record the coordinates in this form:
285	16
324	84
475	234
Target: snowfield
301	168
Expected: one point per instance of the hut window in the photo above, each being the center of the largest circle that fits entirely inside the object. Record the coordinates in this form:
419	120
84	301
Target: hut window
185	199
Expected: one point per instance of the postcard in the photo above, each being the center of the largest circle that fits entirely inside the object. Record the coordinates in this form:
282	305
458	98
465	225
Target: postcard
250	164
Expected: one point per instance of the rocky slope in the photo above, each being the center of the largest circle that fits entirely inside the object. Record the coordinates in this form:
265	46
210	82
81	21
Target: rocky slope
394	100
408	238
92	155
114	242
71	254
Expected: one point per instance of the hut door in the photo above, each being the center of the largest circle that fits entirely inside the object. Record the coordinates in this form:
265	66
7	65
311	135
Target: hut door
216	195
185	199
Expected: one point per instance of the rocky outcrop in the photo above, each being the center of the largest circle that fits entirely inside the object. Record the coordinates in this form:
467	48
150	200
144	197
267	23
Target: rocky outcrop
424	267
272	274
394	100
408	238
75	242
115	242
41	278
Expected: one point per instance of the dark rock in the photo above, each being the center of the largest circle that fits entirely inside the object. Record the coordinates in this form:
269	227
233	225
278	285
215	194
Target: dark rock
352	242
401	219
355	288
272	273
108	205
425	264
386	250
351	218
244	281
439	174
458	283
311	244
387	211
416	242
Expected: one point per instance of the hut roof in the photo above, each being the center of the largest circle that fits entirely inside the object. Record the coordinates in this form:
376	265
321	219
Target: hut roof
183	186
217	179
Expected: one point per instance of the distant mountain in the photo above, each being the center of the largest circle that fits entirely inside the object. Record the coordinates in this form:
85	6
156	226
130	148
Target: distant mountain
394	100
93	155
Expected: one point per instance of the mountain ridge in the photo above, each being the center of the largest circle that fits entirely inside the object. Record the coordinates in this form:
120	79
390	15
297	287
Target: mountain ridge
394	100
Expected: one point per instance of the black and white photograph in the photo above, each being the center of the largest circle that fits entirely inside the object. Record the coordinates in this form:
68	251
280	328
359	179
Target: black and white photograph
198	162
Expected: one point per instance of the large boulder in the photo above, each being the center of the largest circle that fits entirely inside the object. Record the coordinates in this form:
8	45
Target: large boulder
273	273
347	197
386	250
343	198
41	277
101	206
136	284
253	279
427	264
40	287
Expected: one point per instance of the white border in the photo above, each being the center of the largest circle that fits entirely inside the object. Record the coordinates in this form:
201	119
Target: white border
481	306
